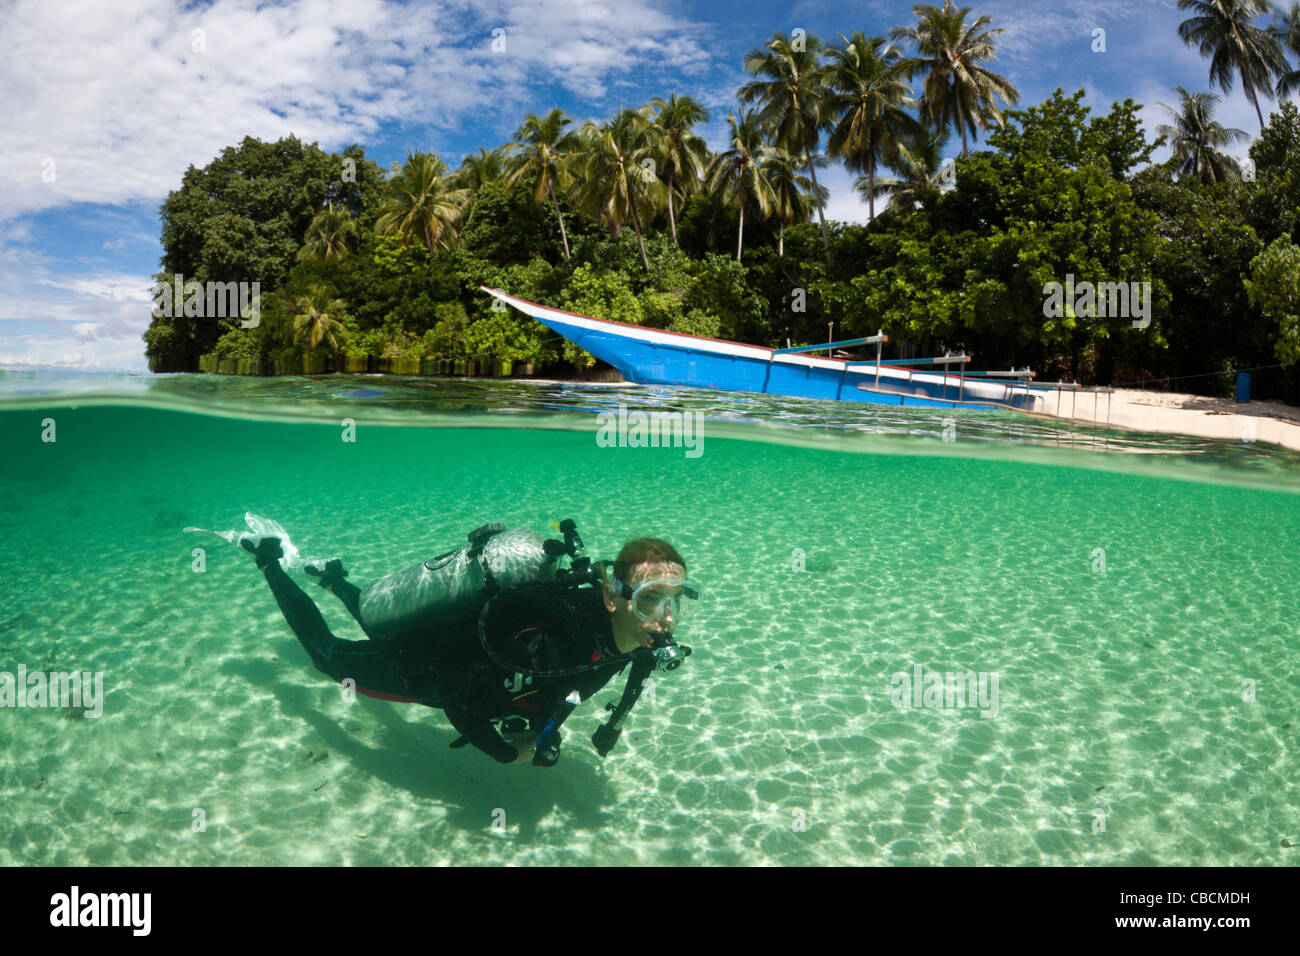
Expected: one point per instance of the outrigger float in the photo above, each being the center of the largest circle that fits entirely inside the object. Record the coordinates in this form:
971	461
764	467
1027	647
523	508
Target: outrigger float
657	357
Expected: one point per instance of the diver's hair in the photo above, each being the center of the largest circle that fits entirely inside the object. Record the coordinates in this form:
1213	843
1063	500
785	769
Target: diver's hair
640	551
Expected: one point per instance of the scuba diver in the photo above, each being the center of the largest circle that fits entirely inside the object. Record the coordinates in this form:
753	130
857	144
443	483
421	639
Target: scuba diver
496	632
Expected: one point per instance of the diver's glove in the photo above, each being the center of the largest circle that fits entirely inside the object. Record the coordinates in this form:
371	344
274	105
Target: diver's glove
267	552
605	737
548	748
331	575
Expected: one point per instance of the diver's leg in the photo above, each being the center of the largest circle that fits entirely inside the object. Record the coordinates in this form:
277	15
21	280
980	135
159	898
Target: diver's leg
374	669
332	577
304	618
350	595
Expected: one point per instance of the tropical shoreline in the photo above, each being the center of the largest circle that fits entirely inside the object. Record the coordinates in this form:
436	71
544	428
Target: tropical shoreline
1133	409
1056	242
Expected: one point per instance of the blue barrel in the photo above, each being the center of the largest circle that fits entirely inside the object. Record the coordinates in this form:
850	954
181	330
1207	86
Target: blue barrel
1243	387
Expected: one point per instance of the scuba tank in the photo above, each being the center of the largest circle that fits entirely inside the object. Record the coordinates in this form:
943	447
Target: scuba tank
534	627
453	582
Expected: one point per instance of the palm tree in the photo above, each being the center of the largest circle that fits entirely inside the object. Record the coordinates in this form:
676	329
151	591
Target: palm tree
327	236
683	156
958	91
866	92
319	317
920	161
1287	33
614	172
791	192
1196	139
1223	32
737	174
790	100
542	144
478	171
422	202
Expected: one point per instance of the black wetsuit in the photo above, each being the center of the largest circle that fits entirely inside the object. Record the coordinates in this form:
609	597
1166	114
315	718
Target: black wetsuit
446	666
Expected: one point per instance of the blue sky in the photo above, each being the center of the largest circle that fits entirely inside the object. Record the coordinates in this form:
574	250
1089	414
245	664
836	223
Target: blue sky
112	97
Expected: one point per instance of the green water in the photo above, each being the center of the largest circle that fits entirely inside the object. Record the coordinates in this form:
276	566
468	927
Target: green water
1145	712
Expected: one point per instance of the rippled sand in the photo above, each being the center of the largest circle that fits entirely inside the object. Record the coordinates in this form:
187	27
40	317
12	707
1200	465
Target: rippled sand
1121	736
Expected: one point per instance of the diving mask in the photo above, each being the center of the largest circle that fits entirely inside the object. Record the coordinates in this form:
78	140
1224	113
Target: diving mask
656	598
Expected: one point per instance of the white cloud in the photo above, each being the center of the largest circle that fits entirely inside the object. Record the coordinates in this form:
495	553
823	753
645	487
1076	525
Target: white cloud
89	321
1030	30
106	104
119	100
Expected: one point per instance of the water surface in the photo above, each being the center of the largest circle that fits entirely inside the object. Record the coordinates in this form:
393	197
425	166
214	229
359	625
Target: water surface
1134	596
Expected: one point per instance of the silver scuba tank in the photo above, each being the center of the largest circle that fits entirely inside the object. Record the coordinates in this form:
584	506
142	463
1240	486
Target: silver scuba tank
452	582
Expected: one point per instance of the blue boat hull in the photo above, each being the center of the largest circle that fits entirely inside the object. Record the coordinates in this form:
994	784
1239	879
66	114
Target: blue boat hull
654	357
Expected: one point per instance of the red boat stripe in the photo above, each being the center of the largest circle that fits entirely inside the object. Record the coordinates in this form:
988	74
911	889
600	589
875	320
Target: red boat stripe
380	695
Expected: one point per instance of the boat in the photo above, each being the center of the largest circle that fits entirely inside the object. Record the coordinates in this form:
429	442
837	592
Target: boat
649	356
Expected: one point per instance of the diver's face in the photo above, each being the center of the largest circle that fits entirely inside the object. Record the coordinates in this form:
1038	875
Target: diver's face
630	632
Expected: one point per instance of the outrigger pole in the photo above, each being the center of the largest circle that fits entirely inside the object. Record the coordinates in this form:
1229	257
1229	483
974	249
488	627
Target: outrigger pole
878	338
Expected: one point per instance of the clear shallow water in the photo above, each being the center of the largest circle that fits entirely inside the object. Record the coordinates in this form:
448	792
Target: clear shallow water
1119	692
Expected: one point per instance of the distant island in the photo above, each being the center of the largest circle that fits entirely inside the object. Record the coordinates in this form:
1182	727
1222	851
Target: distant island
281	258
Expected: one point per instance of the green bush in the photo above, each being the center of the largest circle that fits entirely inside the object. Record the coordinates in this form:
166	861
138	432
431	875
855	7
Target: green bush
1274	289
698	322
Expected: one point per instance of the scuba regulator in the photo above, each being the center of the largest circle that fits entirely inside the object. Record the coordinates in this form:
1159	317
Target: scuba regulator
666	654
580	570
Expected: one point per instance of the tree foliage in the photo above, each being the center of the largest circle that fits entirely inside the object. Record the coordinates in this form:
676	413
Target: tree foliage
622	221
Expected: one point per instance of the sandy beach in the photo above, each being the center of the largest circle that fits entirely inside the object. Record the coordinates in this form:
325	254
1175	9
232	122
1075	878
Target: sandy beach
1179	413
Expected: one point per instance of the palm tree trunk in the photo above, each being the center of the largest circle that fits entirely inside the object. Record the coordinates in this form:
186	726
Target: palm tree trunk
871	186
826	239
428	239
1250	91
672	220
740	236
961	122
636	224
780	240
550	187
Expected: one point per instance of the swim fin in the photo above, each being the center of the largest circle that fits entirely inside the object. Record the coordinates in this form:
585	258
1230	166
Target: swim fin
268	550
262	528
332	574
